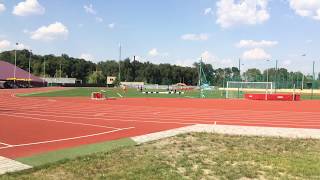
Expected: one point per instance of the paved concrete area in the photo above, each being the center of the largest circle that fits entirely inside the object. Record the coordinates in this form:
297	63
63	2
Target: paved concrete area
233	130
9	165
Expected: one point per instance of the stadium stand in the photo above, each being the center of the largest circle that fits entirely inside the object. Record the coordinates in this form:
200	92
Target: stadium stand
20	80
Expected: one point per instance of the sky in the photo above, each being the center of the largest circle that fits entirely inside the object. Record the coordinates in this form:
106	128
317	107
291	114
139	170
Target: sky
258	32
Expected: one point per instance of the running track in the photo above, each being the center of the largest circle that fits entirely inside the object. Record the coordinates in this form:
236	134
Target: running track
30	126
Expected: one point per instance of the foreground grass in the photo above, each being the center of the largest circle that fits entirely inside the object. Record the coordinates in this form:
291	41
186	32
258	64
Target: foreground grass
193	156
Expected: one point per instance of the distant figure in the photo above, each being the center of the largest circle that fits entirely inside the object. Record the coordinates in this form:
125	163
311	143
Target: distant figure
141	89
124	88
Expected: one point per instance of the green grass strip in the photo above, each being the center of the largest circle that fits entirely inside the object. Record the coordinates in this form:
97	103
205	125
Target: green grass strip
44	93
54	156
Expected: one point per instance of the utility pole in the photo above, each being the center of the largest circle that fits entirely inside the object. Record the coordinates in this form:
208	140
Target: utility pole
15	66
313	77
30	68
119	75
239	69
276	78
61	68
239	77
302	83
44	70
268	72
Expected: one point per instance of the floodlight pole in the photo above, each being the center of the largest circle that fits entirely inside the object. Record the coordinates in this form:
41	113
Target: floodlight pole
239	69
15	65
275	86
302	83
30	67
239	77
199	73
119	75
313	77
61	68
268	72
44	70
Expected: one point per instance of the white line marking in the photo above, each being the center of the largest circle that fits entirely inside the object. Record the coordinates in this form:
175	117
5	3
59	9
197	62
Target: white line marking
189	97
66	139
5	144
100	114
119	94
9	165
65	122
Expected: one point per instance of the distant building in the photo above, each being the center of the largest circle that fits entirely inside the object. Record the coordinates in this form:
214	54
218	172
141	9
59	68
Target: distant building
132	84
61	81
21	78
111	79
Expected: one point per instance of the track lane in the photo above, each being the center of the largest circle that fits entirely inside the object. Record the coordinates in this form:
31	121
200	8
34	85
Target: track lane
145	115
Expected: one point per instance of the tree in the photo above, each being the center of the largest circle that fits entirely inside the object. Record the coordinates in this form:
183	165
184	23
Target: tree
97	77
253	75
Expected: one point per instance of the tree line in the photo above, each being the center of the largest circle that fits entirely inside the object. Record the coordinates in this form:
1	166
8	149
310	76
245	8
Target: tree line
132	70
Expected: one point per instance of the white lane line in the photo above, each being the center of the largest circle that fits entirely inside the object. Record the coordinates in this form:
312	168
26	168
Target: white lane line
100	114
119	95
198	118
192	122
66	139
5	144
189	97
65	122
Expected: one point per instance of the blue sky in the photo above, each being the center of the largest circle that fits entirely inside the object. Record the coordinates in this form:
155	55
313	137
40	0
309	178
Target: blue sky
174	31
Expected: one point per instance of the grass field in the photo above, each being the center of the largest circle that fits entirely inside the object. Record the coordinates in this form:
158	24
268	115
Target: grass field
193	156
134	93
116	92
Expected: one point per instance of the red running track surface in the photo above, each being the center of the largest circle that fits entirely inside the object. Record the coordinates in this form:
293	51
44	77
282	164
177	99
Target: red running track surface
30	126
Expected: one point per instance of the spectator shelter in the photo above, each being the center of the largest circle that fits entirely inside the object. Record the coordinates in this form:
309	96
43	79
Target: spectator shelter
11	77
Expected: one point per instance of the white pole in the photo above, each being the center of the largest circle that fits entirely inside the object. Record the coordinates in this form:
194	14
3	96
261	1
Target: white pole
15	65
119	75
302	81
293	93
44	69
227	90
60	70
30	68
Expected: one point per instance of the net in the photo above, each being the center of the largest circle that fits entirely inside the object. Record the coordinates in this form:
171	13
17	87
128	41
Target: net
236	89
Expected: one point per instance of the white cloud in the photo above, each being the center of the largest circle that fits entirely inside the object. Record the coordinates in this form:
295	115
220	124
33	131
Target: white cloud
286	62
153	52
208	11
99	19
306	8
86	56
249	12
208	57
2	7
89	9
50	32
309	41
256	54
25	31
7	45
252	43
195	37
21	46
111	25
28	7
4	45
